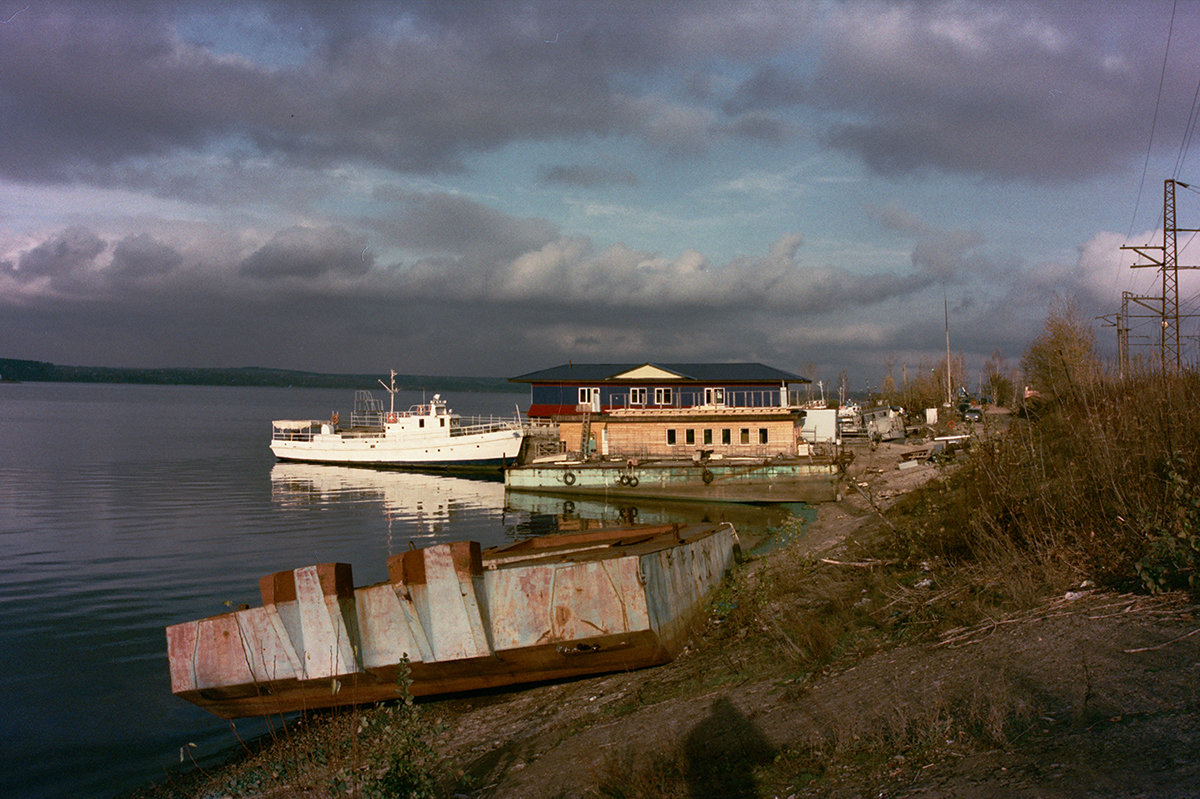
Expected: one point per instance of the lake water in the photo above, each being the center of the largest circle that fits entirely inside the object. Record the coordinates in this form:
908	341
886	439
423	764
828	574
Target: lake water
126	508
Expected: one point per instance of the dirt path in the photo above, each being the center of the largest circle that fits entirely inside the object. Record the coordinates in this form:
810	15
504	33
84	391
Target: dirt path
1108	687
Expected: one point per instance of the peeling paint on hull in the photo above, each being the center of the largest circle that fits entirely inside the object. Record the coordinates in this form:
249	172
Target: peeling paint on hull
465	619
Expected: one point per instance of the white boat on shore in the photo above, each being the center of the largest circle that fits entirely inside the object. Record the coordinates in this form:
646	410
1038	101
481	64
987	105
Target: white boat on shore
426	436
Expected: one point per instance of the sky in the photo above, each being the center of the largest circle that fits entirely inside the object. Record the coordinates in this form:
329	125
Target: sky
492	188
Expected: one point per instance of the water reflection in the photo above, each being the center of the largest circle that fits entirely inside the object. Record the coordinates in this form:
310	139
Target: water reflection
754	523
423	509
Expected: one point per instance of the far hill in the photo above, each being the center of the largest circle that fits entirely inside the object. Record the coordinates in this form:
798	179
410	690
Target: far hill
40	371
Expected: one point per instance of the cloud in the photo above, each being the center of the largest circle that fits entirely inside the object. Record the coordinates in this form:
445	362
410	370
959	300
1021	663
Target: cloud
310	252
938	255
455	224
141	256
1016	90
582	176
62	257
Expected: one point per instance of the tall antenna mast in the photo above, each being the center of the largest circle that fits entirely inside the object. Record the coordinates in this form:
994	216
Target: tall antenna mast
946	308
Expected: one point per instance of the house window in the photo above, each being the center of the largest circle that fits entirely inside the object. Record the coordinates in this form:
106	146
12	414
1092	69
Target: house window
708	435
762	435
637	396
745	435
726	438
662	396
689	436
671	437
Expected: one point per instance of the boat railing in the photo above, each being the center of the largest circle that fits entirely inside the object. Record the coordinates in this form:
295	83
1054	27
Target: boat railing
474	425
368	411
368	418
294	430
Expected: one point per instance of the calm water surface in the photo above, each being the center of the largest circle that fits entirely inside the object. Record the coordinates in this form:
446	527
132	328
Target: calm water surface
127	508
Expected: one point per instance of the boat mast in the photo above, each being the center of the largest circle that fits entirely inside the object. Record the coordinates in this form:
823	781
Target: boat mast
392	391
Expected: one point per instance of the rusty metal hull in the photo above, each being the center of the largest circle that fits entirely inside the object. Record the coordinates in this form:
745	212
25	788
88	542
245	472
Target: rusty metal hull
757	480
458	618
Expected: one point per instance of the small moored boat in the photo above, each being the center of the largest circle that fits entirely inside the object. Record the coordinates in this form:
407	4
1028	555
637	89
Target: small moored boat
426	436
454	618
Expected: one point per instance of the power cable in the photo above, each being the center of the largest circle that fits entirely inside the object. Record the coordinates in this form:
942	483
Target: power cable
1154	120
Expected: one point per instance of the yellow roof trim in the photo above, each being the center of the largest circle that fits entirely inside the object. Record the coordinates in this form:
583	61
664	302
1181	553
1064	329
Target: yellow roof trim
647	372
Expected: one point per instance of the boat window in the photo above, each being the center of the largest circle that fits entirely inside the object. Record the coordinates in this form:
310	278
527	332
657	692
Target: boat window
421	423
745	435
662	396
671	436
637	396
689	436
443	424
708	435
762	435
725	436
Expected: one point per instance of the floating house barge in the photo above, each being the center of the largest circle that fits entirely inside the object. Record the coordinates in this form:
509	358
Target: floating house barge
457	617
736	432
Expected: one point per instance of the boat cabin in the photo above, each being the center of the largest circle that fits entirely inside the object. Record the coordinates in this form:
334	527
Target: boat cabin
604	387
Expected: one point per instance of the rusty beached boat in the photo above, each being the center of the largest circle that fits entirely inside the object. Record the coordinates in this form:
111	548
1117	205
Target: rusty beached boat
463	618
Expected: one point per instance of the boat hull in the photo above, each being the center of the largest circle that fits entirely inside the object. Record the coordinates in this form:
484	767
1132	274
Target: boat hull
483	451
454	619
763	481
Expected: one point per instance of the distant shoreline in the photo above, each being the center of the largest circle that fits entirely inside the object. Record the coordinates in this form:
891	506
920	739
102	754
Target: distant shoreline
21	371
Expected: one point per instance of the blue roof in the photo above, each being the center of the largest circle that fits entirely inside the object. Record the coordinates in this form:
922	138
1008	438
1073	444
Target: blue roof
693	372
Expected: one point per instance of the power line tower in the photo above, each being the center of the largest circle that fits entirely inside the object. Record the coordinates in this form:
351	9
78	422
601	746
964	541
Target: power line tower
1167	261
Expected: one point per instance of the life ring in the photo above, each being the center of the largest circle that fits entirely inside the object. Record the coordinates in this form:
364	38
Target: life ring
706	476
568	507
391	418
333	418
623	479
950	424
633	481
569	478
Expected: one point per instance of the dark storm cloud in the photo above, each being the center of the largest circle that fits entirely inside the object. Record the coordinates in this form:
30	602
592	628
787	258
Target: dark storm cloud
413	87
1024	90
310	252
83	84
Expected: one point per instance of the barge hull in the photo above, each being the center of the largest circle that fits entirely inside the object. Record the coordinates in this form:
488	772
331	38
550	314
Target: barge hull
768	481
457	619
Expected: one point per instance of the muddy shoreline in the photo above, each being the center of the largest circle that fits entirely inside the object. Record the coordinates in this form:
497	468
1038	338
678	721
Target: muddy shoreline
1108	722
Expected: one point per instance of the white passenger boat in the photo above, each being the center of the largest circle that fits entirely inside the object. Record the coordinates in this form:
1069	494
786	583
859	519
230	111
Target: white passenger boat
426	436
